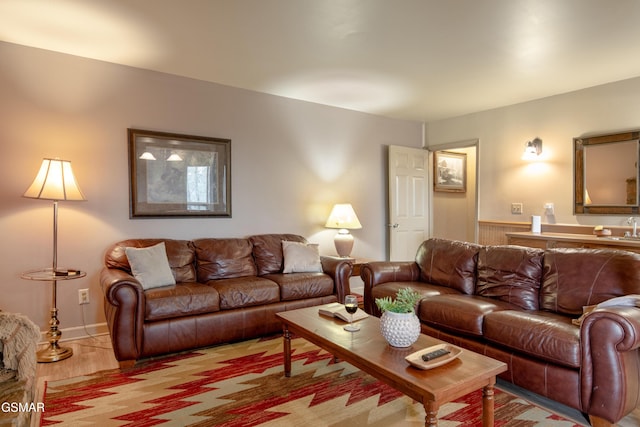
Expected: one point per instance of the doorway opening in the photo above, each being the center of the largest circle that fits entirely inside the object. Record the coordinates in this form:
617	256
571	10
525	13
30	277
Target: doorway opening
454	215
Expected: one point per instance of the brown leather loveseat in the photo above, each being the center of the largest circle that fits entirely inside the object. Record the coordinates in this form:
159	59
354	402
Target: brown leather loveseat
524	307
226	290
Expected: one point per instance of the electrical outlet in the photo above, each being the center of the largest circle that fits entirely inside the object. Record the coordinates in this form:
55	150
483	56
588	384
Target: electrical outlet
516	208
83	296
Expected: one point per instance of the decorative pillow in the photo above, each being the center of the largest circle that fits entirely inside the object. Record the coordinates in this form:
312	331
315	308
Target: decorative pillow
300	257
150	266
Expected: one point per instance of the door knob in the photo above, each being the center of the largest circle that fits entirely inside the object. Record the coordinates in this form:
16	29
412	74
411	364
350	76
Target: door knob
396	225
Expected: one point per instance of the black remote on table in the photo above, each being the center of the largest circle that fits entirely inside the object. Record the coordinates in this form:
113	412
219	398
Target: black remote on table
434	354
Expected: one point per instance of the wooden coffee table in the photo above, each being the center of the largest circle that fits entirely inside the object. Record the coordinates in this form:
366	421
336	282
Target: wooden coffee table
368	351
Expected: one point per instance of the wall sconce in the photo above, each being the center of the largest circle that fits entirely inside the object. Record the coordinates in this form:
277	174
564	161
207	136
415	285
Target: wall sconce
344	218
147	156
532	149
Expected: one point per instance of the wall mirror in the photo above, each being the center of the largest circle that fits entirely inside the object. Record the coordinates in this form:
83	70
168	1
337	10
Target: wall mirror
606	174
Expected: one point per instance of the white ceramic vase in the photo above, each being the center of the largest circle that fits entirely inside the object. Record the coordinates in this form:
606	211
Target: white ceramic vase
400	329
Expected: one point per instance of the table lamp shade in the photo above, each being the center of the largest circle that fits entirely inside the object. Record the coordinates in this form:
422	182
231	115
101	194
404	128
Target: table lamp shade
343	217
55	181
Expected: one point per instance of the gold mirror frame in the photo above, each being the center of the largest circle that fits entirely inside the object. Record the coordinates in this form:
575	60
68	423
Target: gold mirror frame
582	208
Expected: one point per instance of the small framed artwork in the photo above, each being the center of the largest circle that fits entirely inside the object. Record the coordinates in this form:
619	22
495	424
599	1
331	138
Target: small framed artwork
450	172
174	175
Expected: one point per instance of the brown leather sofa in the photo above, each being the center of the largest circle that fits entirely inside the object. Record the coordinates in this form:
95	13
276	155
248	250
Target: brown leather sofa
226	290
524	306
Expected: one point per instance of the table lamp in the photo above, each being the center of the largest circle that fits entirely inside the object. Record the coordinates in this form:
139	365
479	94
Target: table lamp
344	218
55	181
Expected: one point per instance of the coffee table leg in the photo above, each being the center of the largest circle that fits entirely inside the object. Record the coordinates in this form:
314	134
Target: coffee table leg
431	414
286	335
487	405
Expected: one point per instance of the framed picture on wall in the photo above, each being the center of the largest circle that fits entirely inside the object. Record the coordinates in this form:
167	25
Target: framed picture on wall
450	172
174	175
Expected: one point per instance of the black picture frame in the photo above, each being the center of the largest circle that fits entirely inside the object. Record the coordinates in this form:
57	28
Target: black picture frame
174	175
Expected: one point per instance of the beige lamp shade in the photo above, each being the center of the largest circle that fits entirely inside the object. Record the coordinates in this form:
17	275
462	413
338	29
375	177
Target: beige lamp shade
55	181
344	218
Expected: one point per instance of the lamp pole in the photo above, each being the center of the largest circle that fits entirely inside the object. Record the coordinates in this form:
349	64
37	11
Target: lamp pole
54	352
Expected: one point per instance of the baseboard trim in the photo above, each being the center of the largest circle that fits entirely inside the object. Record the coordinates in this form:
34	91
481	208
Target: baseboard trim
78	332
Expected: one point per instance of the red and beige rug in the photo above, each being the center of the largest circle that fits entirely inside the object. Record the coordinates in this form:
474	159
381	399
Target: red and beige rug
242	384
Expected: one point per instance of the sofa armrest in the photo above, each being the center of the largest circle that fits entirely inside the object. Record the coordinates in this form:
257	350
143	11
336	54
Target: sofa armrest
375	273
610	374
124	307
340	271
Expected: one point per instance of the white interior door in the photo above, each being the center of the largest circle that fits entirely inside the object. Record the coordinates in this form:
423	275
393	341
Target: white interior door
408	201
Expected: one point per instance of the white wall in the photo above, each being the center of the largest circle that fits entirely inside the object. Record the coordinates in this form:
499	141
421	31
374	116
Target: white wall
504	177
291	161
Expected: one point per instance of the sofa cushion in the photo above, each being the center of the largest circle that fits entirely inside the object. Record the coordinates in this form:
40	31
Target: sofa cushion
183	299
150	266
462	314
267	251
573	278
245	292
294	286
301	257
546	336
510	273
448	263
180	253
223	259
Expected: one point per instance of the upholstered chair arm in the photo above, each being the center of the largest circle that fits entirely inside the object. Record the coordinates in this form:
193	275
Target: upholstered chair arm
340	271
375	273
124	305
610	380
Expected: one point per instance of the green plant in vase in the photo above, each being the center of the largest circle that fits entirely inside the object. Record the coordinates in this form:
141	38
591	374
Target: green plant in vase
405	302
399	324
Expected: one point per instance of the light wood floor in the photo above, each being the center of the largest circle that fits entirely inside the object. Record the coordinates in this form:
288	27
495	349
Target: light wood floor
89	355
96	354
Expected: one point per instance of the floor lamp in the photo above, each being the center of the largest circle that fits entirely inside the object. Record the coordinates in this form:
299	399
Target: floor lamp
55	181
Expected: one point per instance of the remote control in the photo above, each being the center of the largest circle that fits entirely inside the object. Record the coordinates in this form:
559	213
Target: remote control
434	354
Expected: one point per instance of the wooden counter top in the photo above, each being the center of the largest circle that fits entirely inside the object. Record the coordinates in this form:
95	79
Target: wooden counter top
562	240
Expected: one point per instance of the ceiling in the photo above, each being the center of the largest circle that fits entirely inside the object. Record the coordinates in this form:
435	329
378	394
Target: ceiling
420	60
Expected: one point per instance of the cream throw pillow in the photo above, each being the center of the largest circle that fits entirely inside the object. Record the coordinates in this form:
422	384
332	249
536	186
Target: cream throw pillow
150	266
300	257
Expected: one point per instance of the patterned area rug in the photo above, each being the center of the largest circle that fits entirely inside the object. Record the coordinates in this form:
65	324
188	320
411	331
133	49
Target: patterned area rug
243	384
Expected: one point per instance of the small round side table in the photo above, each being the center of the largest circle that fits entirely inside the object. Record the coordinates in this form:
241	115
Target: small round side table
54	352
